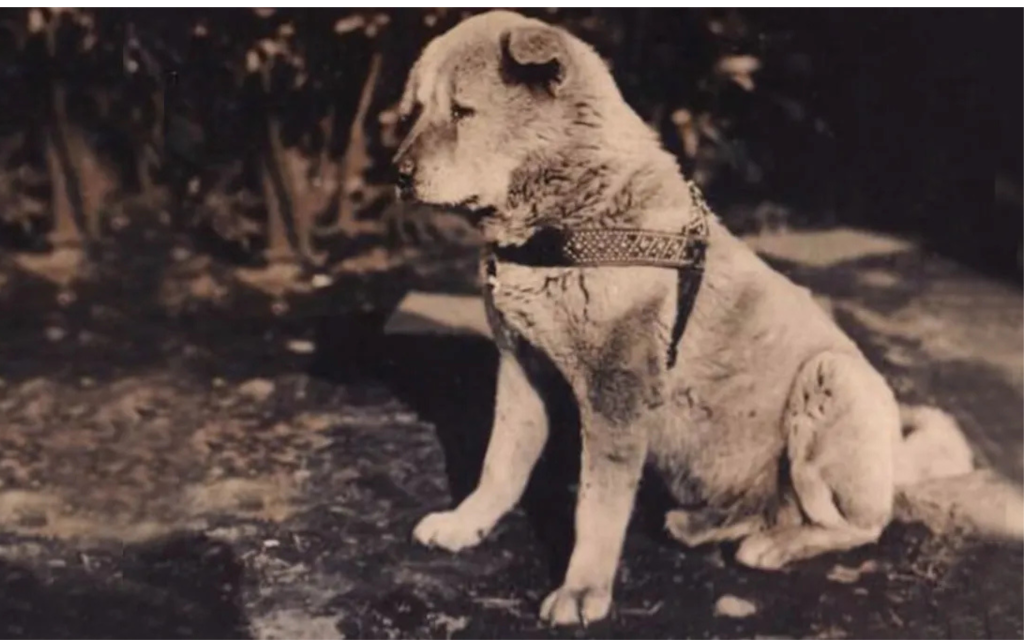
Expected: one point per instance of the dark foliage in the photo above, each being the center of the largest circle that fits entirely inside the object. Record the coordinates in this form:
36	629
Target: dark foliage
268	132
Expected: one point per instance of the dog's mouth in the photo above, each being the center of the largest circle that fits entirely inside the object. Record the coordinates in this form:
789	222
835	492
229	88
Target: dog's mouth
469	208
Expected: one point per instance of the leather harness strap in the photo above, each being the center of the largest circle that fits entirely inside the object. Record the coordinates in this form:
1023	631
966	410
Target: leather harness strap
684	251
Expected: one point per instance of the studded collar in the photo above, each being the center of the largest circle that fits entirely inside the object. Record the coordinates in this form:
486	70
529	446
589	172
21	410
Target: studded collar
614	247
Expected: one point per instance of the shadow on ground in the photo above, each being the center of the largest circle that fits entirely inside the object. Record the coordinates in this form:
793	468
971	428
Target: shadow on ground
182	587
449	381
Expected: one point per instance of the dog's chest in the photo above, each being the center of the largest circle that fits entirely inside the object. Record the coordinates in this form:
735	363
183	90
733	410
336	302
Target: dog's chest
544	306
566	311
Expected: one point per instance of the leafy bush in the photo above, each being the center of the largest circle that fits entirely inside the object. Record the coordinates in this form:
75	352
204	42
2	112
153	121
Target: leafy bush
271	130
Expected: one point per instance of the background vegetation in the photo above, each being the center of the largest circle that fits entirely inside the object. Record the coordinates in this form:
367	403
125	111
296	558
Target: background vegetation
263	136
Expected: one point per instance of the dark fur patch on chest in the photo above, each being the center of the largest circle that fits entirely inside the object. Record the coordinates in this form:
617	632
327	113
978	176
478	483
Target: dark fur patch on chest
626	379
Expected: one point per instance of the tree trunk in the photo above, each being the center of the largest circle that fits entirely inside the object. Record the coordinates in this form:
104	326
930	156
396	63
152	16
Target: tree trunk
356	160
279	248
65	231
80	184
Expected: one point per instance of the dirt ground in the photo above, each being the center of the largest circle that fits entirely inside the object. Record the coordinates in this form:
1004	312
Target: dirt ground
192	450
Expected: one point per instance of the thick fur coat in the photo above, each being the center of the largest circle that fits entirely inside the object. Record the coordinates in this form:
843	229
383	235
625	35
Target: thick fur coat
772	429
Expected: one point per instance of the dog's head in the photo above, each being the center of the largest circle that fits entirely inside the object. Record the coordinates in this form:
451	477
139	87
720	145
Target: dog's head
497	95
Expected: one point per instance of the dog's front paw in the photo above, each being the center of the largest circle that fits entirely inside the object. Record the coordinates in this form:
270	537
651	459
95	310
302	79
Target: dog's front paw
449	530
567	606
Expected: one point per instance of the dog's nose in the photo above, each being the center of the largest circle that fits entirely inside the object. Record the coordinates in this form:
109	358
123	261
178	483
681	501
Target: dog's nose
405	179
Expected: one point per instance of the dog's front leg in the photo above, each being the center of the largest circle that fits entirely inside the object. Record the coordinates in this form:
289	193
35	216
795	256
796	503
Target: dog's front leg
614	450
519	435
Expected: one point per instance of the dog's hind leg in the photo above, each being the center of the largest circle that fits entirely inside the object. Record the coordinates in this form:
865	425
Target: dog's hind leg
842	423
517	440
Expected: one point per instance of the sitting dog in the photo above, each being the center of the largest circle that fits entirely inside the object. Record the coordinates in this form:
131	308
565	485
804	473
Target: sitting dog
684	351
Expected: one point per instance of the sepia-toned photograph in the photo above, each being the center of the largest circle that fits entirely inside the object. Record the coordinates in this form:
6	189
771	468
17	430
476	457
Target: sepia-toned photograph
330	323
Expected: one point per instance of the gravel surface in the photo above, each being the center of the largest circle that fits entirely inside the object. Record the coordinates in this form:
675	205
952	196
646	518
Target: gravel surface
189	450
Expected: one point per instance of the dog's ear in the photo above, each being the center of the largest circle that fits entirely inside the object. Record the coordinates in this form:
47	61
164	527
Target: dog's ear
535	55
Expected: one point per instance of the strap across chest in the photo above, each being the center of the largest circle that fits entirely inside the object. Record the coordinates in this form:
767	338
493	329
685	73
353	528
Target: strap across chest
683	251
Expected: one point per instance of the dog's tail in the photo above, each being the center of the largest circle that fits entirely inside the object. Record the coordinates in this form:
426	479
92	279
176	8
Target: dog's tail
937	483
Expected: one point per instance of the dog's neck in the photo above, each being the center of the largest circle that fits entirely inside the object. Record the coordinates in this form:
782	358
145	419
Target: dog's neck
576	200
637	188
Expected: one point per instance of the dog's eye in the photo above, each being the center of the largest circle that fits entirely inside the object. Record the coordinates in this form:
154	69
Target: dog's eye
461	112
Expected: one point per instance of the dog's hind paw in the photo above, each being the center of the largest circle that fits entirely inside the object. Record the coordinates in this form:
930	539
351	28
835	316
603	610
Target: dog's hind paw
762	552
449	530
568	606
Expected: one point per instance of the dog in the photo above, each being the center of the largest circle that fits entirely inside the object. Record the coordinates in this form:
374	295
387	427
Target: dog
767	423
